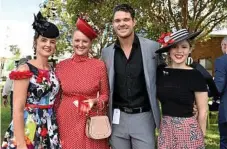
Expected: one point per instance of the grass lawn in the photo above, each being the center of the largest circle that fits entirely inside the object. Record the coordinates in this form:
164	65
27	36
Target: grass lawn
5	119
212	137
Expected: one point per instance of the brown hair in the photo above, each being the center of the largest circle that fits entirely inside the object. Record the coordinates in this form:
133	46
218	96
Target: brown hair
36	36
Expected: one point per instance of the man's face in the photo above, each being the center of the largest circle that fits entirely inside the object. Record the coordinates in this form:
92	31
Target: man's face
123	24
224	46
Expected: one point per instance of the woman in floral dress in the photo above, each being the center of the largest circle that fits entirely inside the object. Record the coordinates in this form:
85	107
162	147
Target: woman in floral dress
35	88
84	86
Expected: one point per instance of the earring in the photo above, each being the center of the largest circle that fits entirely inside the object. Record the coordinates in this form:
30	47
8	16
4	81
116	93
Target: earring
52	57
34	55
189	60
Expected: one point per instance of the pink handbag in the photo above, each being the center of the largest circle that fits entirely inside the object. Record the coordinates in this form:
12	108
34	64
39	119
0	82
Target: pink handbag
98	127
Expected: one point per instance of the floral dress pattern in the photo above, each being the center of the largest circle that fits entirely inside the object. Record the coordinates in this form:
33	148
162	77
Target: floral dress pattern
41	130
180	133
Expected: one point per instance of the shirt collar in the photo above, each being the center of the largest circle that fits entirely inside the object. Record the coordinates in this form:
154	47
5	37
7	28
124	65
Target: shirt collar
135	42
79	58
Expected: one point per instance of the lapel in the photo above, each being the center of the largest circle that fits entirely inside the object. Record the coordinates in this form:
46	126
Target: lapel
111	68
146	60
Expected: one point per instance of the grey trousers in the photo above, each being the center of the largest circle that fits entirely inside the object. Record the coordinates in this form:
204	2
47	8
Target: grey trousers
135	131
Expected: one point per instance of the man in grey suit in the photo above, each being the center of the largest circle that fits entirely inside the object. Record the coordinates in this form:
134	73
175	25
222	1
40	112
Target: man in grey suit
131	62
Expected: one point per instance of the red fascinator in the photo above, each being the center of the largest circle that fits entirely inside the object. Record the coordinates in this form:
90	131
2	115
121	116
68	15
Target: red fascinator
85	28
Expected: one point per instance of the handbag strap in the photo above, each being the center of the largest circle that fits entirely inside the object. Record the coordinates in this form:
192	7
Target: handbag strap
97	109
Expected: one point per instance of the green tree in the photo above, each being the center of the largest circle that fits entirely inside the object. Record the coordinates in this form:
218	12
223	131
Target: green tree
10	65
153	17
56	12
15	50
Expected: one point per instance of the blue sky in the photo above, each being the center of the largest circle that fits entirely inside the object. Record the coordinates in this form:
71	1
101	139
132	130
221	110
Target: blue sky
16	17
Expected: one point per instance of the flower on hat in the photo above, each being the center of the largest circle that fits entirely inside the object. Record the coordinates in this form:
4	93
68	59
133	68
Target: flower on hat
86	18
40	23
165	39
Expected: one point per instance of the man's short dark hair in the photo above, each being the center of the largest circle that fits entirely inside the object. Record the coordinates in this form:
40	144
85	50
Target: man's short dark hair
125	8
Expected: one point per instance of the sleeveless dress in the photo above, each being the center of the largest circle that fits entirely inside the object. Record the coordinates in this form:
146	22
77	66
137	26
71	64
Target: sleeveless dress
80	76
41	130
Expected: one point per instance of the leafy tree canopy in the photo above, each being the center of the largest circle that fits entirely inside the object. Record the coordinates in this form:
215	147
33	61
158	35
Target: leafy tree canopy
153	17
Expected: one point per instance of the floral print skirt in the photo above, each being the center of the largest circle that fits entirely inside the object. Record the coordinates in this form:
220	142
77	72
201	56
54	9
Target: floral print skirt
180	133
41	131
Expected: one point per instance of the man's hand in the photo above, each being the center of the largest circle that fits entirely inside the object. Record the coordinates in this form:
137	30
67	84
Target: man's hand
5	100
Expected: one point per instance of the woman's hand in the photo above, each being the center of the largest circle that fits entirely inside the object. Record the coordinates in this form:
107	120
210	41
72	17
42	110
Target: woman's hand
22	146
195	110
88	105
202	106
5	100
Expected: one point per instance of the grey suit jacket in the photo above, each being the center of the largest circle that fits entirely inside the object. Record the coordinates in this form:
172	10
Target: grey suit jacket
148	49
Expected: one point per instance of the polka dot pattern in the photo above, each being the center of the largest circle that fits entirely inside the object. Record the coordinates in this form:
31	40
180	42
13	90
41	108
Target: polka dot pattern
180	133
80	76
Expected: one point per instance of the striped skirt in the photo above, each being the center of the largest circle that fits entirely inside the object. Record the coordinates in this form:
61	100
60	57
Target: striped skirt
180	133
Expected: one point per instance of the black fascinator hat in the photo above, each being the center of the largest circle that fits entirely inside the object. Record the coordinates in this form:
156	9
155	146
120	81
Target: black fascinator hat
44	28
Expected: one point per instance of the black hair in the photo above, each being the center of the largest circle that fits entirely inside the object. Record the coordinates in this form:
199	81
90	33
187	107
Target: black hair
125	8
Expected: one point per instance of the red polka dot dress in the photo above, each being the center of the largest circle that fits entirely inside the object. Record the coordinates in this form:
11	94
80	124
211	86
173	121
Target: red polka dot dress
80	76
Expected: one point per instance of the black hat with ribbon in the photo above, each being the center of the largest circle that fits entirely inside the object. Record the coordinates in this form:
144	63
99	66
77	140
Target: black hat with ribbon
45	28
167	40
